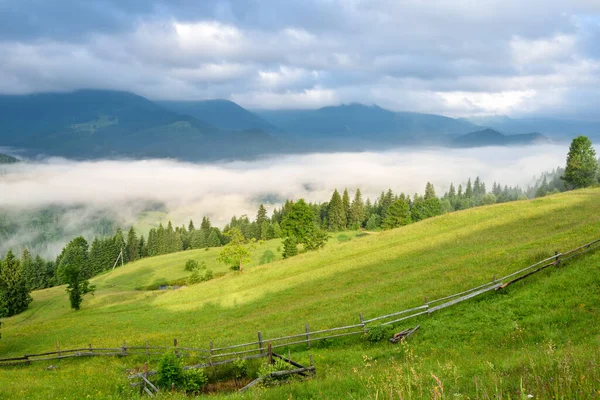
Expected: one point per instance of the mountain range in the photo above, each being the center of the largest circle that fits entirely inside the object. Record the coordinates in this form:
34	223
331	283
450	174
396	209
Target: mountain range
101	123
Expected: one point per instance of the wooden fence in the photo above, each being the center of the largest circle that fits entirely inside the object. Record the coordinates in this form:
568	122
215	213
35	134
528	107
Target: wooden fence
257	349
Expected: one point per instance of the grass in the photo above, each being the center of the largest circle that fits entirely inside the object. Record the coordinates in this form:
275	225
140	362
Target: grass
540	337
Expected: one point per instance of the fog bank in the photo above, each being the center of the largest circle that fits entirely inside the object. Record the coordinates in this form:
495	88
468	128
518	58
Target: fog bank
220	190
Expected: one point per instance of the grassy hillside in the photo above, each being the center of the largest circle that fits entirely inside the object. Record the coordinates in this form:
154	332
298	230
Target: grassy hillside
540	337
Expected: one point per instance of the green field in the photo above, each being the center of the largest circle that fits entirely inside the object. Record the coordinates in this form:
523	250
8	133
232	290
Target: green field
541	337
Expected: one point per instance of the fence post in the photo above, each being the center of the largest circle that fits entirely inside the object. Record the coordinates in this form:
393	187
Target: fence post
270	350
124	347
307	335
27	359
210	354
362	321
91	349
556	260
58	349
260	342
175	347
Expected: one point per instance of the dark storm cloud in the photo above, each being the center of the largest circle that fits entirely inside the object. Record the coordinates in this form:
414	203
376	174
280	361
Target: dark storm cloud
449	56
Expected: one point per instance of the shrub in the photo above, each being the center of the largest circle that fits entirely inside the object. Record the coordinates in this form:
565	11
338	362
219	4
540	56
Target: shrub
208	275
240	368
191	265
170	371
376	333
278	365
194	278
194	380
267	257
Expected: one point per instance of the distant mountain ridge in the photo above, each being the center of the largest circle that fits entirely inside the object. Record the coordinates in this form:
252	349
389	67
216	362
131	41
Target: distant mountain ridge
224	114
100	123
491	137
362	121
103	123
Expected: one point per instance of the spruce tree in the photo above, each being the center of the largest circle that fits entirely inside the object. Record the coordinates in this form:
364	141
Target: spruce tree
290	247
264	231
336	216
142	247
429	191
133	250
28	269
276	230
346	205
213	238
191	227
261	216
469	190
14	291
357	211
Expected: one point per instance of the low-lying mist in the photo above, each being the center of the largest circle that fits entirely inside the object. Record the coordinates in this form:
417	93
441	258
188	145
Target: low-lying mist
121	189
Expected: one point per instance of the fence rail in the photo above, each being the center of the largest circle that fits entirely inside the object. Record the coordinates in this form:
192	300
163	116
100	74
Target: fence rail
222	355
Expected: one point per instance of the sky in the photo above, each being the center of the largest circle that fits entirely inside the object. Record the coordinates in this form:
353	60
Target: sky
452	57
123	188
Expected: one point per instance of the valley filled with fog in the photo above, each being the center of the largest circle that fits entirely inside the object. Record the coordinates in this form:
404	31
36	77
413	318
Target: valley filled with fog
95	196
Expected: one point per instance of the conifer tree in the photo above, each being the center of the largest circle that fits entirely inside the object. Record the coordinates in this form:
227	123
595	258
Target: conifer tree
276	230
142	247
336	216
264	231
133	251
191	227
429	191
14	291
290	247
398	214
357	211
261	215
346	205
469	190
213	238
28	269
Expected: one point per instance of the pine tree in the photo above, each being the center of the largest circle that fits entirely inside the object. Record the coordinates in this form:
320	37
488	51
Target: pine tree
142	248
429	191
191	227
28	269
213	238
290	247
76	253
469	190
14	291
264	231
346	205
357	211
261	216
336	217
276	230
132	248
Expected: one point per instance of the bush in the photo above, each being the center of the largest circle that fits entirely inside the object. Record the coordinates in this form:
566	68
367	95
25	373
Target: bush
376	333
194	381
267	257
194	278
278	365
170	371
240	368
191	265
208	275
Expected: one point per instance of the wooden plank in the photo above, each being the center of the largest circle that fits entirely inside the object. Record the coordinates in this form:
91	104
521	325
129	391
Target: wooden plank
254	382
288	360
463	298
405	318
525	276
149	383
396	313
148	391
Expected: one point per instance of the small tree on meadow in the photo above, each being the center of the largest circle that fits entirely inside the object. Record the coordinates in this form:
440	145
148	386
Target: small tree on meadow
14	290
237	251
77	285
582	166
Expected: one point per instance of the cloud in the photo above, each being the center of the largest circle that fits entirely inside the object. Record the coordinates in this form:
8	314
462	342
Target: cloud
121	189
406	55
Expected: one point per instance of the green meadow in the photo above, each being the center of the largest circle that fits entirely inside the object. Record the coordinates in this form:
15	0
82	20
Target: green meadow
539	339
